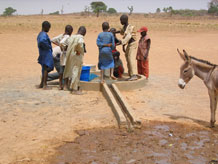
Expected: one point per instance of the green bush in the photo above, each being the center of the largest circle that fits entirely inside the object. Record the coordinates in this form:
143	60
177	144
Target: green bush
9	11
55	13
111	11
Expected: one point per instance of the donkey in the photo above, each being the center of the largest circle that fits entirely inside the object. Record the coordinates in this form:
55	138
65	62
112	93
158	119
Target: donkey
205	71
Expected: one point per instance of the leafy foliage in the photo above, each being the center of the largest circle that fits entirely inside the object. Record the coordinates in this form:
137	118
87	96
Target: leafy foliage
112	11
9	11
158	10
213	7
167	9
98	7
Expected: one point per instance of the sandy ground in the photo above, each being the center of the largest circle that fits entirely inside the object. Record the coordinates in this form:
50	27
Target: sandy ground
34	122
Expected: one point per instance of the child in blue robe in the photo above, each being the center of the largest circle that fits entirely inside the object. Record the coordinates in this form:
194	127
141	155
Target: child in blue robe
45	58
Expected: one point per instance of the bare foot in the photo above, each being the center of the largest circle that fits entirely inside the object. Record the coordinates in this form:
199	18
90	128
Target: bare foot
113	78
102	81
39	86
77	93
66	89
60	88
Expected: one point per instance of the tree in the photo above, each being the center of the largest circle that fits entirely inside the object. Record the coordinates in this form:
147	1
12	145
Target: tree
168	10
112	11
165	9
9	11
130	10
98	7
213	7
158	10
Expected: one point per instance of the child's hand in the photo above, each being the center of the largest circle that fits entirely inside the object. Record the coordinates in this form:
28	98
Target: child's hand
109	45
124	49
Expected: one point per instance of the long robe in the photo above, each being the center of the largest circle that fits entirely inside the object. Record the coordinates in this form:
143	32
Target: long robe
74	62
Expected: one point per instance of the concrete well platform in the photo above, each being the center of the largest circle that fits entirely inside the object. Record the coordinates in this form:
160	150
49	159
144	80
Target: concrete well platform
122	83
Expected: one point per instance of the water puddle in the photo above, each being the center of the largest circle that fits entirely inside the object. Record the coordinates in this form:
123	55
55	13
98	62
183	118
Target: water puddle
154	143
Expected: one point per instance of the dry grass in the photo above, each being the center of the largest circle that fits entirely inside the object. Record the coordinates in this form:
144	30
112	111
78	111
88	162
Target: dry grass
33	23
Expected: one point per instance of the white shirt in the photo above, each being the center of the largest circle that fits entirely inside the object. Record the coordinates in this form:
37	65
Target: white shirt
57	50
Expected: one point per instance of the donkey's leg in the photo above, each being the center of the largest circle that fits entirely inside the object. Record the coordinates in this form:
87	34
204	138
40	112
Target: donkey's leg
216	97
213	104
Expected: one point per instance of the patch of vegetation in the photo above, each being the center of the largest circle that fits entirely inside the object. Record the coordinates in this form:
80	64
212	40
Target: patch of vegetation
9	11
213	7
98	7
55	13
111	11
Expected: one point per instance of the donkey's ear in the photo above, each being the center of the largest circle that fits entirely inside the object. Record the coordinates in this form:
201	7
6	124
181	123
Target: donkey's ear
187	57
181	55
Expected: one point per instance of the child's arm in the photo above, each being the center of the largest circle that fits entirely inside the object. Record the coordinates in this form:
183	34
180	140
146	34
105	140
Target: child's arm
147	48
56	40
124	48
64	41
64	44
127	38
79	47
44	43
101	45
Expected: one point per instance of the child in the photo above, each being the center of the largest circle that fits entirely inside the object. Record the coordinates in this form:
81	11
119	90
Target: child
75	53
105	43
45	54
129	40
142	53
118	65
57	50
117	41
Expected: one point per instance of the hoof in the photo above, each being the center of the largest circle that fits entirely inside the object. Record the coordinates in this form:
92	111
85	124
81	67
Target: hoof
212	124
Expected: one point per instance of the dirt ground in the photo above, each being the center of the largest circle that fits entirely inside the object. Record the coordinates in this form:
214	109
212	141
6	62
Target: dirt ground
33	123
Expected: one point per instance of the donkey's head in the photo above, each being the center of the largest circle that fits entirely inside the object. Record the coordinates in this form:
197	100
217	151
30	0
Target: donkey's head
186	70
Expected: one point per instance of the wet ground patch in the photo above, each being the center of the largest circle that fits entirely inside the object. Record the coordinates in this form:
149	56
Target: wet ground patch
155	142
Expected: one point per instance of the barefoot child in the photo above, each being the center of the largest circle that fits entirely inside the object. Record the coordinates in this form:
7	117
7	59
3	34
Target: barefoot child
45	53
106	43
142	53
75	53
118	65
57	50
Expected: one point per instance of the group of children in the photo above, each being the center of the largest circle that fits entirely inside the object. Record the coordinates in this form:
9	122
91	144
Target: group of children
71	49
109	56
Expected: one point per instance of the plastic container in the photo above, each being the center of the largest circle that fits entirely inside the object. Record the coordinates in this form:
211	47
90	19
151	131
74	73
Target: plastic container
85	73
